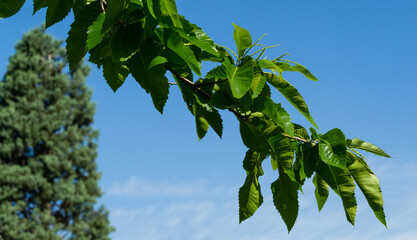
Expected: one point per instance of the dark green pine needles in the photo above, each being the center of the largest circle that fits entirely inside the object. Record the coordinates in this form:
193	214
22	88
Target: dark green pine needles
48	174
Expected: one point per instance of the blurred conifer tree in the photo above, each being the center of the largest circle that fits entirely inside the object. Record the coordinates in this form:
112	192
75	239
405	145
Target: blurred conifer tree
48	173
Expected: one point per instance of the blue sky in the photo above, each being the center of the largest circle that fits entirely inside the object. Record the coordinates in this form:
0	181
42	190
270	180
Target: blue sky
160	182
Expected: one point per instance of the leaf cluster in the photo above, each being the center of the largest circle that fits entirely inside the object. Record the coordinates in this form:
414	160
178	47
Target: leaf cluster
149	39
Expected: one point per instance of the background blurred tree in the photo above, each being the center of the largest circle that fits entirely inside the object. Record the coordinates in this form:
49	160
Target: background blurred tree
48	174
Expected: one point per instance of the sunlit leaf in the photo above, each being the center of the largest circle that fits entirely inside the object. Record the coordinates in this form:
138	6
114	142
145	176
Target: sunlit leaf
197	36
253	137
305	72
321	192
242	38
266	64
369	147
94	35
250	197
275	112
169	7
332	148
218	72
369	185
342	184
211	116
291	94
175	43
285	196
240	77
258	84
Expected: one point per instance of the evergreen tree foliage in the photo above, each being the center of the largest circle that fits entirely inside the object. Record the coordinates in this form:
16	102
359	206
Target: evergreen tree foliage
48	173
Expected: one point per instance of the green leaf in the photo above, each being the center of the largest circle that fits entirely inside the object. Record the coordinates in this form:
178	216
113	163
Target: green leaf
100	52
369	185
332	148
310	157
284	66
175	43
257	85
158	60
77	36
369	147
300	131
211	116
218	72
250	197
197	36
153	79
126	41
283	150
9	8
266	64
242	38
37	5
275	112
314	134
326	174
115	73
321	192
149	4
253	137
291	94
223	99
240	77
94	35
342	184
169	7
200	122
57	10
346	188
301	69
114	11
79	5
285	196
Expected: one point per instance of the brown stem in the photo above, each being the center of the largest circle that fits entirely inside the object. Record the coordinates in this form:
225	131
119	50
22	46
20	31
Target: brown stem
103	3
295	138
188	82
237	114
211	83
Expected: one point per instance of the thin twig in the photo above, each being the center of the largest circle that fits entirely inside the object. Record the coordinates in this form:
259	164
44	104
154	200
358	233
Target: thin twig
237	114
211	83
102	4
193	85
172	83
295	138
188	82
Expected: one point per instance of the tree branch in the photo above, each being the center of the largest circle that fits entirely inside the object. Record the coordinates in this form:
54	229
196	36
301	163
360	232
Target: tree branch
295	138
103	3
188	82
237	114
211	83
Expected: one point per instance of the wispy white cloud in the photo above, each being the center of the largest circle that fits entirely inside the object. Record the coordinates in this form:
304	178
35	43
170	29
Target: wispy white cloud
136	187
192	213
